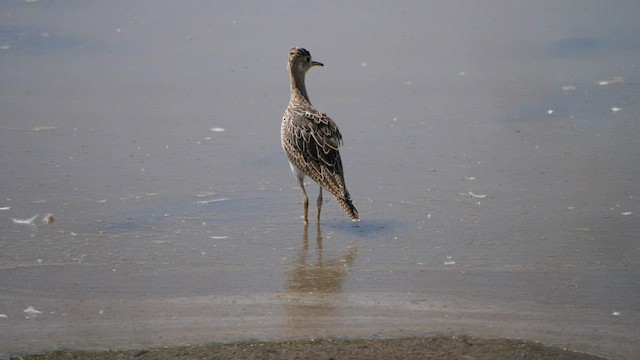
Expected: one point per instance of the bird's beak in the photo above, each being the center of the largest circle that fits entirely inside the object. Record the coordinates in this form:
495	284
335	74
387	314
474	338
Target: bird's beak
315	63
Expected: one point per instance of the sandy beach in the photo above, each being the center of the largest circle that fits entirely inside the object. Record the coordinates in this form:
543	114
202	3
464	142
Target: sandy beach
491	149
440	348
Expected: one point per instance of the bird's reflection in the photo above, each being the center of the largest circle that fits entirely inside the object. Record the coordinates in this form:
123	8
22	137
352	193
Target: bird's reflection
314	287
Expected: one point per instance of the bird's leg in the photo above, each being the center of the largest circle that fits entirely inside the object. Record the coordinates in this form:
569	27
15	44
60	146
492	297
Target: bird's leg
306	200
319	203
318	237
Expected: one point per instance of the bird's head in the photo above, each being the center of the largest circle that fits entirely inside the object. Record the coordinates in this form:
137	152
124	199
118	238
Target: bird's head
300	61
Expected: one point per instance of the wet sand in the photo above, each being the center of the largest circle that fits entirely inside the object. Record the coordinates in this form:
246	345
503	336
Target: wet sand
491	149
440	348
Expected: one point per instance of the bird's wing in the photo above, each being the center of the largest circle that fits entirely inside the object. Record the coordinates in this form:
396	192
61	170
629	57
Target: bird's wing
315	140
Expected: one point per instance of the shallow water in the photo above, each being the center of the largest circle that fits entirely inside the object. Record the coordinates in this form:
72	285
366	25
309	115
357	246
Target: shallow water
491	150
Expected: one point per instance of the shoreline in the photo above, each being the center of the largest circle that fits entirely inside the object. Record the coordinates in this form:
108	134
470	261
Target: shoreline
438	347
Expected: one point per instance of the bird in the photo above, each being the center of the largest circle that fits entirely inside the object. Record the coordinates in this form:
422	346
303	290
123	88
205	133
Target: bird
311	140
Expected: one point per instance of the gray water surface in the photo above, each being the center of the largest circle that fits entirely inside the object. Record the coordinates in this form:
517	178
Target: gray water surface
491	149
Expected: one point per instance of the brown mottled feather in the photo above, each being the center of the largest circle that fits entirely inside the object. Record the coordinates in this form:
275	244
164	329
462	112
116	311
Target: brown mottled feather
311	139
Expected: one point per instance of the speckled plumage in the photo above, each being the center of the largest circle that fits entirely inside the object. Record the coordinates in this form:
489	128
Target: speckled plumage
311	140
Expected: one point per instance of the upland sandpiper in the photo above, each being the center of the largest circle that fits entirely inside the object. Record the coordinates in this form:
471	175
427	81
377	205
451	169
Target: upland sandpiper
311	140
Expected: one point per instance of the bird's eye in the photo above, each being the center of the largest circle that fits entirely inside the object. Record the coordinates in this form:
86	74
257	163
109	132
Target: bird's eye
308	58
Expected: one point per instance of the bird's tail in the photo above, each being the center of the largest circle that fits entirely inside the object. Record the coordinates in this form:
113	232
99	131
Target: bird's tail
347	206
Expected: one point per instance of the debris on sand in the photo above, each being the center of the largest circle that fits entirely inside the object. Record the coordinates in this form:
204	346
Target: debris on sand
48	219
206	194
611	80
569	89
28	221
32	311
477	195
205	202
44	128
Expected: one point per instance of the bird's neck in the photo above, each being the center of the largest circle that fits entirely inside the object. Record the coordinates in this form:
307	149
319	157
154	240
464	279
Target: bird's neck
298	90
